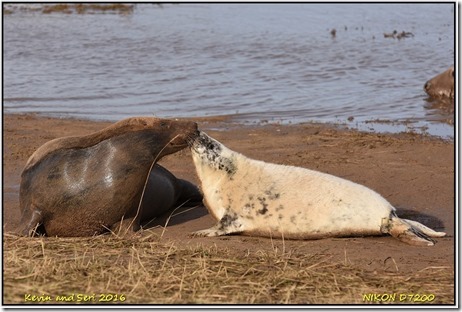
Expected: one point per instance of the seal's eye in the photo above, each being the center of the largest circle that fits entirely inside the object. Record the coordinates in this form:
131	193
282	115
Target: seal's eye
163	124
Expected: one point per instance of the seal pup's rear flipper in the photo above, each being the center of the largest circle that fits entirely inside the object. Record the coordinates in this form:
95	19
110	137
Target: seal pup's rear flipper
228	224
412	233
426	230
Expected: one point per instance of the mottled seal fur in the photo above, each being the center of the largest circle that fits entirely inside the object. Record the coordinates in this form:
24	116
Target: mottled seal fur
257	198
442	85
86	185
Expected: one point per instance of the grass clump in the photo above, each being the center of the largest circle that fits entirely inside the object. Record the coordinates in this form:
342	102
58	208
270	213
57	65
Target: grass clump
144	270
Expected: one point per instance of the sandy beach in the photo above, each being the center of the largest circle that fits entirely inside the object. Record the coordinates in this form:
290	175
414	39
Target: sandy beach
415	173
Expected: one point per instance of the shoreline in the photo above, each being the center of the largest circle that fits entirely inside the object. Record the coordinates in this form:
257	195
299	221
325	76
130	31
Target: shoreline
414	172
373	126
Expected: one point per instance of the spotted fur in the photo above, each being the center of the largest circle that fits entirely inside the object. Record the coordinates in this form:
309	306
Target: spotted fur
257	198
210	153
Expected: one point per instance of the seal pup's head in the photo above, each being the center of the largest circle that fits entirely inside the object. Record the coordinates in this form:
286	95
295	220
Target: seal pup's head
210	154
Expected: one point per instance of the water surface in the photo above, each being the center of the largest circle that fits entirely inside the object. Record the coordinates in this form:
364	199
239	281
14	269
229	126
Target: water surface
256	62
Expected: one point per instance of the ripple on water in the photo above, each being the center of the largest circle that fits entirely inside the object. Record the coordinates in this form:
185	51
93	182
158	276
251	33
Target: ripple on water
258	62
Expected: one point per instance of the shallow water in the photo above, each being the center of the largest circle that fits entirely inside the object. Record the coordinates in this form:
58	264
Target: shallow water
257	62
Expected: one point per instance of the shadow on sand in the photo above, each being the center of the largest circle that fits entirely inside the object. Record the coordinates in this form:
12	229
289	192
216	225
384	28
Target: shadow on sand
179	215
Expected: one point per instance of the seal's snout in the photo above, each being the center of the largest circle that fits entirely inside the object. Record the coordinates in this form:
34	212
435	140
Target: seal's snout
193	127
427	85
191	138
182	131
199	142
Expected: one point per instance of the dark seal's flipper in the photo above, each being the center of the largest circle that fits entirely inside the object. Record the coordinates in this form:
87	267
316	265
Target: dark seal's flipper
189	194
125	226
30	222
164	192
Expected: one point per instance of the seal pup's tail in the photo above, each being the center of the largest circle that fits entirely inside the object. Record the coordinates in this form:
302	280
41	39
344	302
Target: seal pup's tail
408	231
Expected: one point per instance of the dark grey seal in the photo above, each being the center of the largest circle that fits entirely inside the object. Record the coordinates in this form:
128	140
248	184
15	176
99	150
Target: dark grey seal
86	185
165	192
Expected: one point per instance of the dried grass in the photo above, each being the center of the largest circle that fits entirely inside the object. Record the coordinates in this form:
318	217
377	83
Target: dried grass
145	270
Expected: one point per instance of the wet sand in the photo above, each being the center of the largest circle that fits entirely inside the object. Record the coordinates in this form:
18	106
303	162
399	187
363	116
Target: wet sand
414	172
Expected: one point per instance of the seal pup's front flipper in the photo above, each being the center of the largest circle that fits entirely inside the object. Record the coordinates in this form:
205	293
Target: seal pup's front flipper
412	233
228	224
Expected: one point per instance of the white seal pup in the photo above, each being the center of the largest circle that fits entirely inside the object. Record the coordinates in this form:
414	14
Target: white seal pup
263	199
